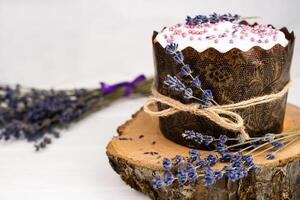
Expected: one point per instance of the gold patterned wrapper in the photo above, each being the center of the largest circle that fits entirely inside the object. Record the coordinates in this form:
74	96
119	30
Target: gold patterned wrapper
233	76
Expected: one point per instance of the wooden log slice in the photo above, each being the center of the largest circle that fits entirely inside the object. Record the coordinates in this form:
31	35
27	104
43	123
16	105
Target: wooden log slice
136	154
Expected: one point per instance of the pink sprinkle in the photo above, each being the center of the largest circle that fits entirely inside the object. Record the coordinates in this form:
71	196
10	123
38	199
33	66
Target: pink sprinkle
205	30
274	38
266	41
199	26
252	39
183	35
191	38
171	29
169	40
231	41
216	41
241	37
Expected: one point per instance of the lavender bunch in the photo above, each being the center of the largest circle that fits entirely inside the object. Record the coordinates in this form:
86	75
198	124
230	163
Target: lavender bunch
37	115
181	171
175	84
240	162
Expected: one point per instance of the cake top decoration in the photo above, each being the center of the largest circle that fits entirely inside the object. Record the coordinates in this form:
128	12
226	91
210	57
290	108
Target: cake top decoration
222	32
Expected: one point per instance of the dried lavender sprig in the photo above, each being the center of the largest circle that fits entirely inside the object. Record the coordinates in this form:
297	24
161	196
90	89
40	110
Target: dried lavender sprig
37	114
275	140
186	71
286	139
269	139
263	138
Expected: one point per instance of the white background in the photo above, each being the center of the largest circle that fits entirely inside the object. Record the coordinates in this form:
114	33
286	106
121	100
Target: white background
77	43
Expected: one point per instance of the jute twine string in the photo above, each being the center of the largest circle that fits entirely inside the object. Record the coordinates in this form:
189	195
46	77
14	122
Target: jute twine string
223	115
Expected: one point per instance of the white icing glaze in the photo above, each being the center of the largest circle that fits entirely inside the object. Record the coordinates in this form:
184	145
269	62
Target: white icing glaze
222	36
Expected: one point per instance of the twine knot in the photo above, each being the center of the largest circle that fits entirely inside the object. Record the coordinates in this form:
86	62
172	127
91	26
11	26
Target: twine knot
223	115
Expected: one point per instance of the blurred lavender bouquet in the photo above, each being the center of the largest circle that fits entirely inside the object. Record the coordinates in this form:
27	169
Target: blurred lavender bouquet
37	115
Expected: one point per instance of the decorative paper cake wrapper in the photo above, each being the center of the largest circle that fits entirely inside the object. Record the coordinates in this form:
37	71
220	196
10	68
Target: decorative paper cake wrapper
233	76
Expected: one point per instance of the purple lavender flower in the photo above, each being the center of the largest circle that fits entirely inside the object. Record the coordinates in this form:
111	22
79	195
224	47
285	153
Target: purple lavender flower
174	83
179	161
218	175
188	93
270	156
207	95
182	176
237	160
189	134
171	48
168	178
201	163
209	178
194	155
211	160
223	139
225	155
186	70
196	20
231	173
242	172
224	17
189	20
220	146
157	183
194	136
204	19
207	104
171	81
196	82
178	57
167	164
255	168
248	159
207	139
277	144
213	18
269	137
235	17
192	173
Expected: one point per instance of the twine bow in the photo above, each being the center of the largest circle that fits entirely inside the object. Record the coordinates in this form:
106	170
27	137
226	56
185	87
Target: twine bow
223	115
